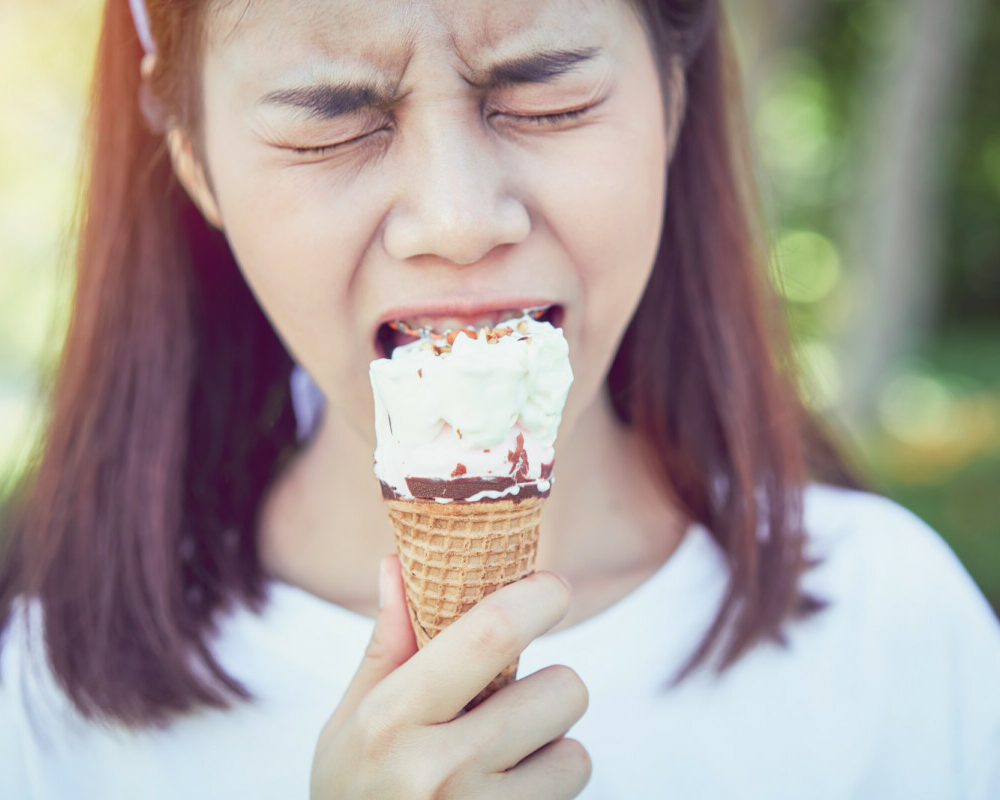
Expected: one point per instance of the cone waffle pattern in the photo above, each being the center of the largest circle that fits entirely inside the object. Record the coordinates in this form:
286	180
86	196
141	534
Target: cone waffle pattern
454	554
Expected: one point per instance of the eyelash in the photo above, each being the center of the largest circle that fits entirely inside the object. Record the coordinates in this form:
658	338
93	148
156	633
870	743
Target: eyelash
327	149
549	119
532	119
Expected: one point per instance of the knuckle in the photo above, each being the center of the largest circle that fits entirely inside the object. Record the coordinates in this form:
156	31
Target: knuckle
464	755
447	773
496	631
375	652
377	734
559	589
573	687
426	783
456	757
550	593
454	784
574	758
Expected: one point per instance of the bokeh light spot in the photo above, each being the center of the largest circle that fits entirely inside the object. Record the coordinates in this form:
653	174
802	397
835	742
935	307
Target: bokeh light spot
807	266
914	405
819	374
794	126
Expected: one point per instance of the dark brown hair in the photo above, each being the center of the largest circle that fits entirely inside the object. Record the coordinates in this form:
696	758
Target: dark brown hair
171	411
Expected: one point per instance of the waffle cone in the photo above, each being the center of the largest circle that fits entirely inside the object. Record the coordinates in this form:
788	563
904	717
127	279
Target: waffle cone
454	554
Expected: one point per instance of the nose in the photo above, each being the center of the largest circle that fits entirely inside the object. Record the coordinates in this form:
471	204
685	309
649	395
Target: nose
453	200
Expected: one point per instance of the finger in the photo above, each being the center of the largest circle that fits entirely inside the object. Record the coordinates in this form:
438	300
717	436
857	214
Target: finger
392	641
455	666
559	770
524	717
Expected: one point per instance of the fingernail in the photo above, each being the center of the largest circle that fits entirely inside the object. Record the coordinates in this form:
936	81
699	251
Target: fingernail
383	581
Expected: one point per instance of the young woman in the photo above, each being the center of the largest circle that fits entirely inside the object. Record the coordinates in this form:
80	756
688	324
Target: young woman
189	580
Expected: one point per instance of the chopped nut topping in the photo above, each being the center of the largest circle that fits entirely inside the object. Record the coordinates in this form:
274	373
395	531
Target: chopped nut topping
518	458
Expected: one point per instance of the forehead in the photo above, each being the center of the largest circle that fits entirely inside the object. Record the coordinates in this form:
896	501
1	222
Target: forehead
381	32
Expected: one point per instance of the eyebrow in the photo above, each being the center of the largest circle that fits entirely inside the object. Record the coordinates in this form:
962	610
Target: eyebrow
536	67
328	101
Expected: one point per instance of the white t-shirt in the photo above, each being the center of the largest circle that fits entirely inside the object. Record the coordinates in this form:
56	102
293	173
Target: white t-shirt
892	692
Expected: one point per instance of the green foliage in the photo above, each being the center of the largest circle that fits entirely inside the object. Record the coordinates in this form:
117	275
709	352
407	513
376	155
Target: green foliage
972	263
936	444
964	505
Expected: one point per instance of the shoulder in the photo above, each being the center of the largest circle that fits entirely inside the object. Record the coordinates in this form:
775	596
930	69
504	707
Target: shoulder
835	514
904	611
29	699
907	621
29	691
889	559
878	534
878	539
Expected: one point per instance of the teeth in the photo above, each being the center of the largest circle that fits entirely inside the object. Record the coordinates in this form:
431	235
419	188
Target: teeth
439	326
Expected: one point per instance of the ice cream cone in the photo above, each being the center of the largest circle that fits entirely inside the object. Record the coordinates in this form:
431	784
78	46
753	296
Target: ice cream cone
465	423
454	554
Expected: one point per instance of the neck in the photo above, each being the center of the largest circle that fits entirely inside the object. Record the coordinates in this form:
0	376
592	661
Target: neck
324	527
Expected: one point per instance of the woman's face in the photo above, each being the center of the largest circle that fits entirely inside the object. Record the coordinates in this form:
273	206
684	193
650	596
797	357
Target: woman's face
432	161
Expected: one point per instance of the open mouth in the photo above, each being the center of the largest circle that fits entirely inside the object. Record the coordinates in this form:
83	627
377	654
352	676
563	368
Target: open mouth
396	333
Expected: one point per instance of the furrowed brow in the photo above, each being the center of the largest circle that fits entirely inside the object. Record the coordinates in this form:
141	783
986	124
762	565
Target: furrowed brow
537	67
326	101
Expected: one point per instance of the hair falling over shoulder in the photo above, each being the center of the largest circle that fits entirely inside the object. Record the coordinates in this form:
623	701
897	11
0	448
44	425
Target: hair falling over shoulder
170	413
168	416
699	368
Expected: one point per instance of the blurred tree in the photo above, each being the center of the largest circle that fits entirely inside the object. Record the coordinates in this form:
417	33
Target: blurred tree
765	29
972	282
855	103
878	127
894	222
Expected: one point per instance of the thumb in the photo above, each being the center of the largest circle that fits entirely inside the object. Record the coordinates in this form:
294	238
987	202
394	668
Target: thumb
392	641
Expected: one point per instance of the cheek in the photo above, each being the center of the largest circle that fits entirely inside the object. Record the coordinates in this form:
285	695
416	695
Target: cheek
616	210
287	228
299	236
610	216
282	237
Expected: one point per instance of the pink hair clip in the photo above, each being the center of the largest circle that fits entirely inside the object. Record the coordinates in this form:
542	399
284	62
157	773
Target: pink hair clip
140	18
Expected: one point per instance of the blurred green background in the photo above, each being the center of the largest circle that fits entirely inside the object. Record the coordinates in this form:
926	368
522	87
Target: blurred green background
877	126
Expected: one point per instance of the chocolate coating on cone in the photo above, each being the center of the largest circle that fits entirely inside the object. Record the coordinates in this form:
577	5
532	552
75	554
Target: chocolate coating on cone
454	554
463	489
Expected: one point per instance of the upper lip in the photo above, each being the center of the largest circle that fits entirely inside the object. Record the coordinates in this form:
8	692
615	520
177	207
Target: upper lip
459	309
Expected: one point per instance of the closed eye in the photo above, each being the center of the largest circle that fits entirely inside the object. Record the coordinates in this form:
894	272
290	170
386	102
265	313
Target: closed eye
540	120
554	119
551	119
327	149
